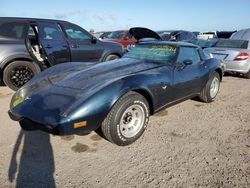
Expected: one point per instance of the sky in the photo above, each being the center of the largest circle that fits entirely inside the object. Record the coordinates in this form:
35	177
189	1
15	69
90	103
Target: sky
106	15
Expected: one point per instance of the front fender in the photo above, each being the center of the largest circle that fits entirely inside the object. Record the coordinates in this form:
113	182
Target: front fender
95	109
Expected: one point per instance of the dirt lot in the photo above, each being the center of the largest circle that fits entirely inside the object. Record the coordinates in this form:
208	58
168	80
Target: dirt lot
192	144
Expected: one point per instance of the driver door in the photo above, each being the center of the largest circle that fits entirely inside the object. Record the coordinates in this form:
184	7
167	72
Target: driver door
188	78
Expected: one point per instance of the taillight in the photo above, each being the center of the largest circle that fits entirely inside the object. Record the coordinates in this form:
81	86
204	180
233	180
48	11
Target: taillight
242	56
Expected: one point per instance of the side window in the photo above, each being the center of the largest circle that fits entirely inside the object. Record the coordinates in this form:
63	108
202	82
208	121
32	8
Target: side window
49	31
75	32
188	53
13	29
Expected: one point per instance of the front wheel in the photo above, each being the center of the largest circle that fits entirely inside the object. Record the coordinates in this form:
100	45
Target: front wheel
210	91
127	120
17	73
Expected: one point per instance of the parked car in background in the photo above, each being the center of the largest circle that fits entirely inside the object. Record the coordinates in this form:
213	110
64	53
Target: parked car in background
123	37
196	33
125	92
234	52
207	35
177	35
215	35
225	34
102	34
243	34
28	46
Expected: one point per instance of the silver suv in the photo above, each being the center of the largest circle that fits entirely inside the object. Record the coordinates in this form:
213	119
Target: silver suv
28	46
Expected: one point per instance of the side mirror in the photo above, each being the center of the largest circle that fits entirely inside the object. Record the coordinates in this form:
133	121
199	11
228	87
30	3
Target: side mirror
188	62
93	40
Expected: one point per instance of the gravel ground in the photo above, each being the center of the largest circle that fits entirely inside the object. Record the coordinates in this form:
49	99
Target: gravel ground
192	144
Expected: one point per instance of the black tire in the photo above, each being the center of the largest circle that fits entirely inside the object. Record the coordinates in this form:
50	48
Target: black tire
111	57
113	125
206	95
17	73
247	75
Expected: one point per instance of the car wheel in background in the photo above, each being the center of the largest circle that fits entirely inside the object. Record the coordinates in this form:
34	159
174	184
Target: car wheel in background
210	91
111	57
17	73
247	75
127	120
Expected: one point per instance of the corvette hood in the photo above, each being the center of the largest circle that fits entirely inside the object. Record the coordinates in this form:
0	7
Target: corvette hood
100	74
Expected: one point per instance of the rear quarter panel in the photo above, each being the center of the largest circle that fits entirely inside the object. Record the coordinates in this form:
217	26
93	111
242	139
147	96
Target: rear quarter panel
12	51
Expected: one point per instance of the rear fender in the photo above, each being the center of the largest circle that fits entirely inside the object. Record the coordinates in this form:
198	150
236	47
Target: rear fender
215	65
16	57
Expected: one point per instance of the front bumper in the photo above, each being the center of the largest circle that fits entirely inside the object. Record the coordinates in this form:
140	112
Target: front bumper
67	129
30	125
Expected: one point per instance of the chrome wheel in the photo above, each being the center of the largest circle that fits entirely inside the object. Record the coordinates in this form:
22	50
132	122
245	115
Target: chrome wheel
214	88
132	120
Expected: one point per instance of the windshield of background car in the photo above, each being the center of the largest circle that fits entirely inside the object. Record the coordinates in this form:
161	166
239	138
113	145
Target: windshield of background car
157	53
115	35
224	43
12	29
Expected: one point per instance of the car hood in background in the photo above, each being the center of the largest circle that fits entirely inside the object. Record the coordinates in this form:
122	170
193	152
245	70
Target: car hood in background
140	33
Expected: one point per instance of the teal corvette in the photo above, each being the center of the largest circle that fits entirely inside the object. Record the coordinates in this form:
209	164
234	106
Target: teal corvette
117	96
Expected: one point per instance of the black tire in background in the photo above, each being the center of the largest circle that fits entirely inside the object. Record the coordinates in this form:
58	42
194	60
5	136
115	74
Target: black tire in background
17	73
127	120
210	91
247	75
111	57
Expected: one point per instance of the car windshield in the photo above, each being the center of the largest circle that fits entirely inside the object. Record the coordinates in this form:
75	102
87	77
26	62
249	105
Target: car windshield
12	30
115	35
157	53
224	43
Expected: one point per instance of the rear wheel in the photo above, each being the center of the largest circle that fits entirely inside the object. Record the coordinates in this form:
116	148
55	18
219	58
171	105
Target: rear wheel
17	73
210	91
111	57
247	75
127	120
